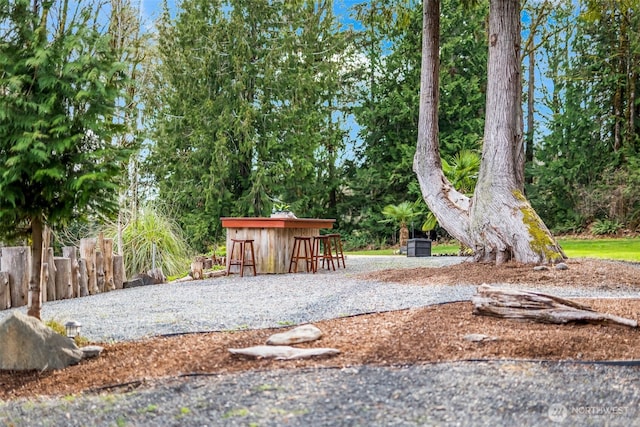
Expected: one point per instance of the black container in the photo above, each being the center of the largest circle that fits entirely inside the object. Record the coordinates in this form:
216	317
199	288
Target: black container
418	247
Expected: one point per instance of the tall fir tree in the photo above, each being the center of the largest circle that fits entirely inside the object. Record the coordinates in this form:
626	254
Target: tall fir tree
246	110
58	90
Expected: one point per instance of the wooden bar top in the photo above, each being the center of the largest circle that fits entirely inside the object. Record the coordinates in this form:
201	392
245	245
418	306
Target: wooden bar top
263	222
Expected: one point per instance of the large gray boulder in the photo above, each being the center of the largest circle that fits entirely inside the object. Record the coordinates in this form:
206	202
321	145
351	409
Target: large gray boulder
26	343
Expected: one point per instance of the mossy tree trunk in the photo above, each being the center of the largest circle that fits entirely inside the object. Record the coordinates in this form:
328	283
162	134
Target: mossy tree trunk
497	223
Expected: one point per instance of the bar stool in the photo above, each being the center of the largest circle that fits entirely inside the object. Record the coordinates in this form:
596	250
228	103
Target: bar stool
336	240
300	242
243	245
322	242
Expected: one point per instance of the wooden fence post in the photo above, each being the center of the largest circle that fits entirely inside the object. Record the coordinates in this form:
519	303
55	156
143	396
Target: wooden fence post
100	271
51	276
5	291
71	253
63	278
118	271
109	284
88	253
83	279
44	282
16	262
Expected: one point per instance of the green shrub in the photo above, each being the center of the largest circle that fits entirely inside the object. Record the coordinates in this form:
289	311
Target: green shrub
60	329
605	226
356	240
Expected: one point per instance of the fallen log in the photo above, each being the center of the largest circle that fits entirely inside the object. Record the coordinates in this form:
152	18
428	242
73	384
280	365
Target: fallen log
539	307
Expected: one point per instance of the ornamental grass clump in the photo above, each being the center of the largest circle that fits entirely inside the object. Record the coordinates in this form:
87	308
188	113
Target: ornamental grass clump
153	234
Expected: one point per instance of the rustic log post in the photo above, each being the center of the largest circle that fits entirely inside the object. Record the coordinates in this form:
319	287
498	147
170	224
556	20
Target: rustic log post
44	280
88	253
72	253
157	275
17	262
83	278
196	270
118	271
63	278
51	276
100	271
545	308
5	291
207	262
107	255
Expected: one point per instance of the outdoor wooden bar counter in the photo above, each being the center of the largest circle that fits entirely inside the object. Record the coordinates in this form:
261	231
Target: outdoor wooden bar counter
273	238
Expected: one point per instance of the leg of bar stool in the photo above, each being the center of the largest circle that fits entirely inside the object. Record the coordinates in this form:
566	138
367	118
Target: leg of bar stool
315	253
328	255
337	244
296	243
230	260
297	254
310	254
253	258
242	259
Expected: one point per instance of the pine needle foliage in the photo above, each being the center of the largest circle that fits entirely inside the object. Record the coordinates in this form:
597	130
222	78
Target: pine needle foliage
59	85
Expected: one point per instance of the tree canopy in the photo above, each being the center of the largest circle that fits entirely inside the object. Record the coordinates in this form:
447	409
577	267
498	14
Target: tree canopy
59	87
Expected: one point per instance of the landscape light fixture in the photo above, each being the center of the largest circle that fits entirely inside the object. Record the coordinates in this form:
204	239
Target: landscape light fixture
73	328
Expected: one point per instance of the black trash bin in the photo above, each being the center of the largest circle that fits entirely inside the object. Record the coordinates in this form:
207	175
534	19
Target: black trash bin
418	247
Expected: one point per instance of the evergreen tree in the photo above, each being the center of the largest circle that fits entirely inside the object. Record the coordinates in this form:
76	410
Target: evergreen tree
58	90
247	97
593	129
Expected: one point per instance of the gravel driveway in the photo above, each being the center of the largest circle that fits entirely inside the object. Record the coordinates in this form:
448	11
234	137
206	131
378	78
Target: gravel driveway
459	393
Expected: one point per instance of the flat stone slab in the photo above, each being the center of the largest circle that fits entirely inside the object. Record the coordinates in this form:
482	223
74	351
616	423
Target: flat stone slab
479	338
283	352
91	351
304	333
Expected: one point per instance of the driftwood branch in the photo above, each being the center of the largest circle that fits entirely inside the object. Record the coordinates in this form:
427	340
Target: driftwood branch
544	308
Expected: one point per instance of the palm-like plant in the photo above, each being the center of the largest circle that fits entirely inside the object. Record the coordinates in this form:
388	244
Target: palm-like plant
462	171
402	214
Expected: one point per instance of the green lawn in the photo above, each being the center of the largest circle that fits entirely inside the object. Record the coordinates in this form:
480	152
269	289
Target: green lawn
625	249
621	249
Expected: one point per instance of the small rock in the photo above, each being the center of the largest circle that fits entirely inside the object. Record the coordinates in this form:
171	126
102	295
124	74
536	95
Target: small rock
133	283
90	351
540	268
283	352
304	333
562	266
479	338
146	279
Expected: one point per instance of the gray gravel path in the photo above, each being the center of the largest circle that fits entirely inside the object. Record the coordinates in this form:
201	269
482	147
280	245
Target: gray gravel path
460	393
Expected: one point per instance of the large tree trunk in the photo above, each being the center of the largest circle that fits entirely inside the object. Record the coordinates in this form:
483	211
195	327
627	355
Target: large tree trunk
35	278
498	223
